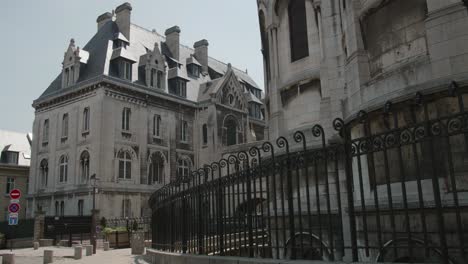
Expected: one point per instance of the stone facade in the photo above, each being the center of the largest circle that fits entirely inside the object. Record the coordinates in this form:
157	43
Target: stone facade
361	53
137	110
367	55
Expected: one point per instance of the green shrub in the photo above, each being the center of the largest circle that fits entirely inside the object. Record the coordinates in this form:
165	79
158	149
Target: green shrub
103	222
109	230
2	236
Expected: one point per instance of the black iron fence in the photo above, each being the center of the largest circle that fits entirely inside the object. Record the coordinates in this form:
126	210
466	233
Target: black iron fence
69	228
391	187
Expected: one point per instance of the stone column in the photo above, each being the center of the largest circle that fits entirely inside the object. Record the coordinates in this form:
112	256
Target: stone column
39	224
8	258
48	256
78	252
138	243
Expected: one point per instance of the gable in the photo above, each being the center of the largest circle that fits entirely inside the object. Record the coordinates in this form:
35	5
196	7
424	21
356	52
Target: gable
231	92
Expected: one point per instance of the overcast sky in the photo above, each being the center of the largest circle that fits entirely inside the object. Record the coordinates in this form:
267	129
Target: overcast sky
35	35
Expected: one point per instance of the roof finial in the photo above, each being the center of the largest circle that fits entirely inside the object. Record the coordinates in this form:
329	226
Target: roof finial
229	65
72	42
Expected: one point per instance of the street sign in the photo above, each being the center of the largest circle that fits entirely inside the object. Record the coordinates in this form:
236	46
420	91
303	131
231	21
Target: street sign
15	194
14	207
14	201
13	219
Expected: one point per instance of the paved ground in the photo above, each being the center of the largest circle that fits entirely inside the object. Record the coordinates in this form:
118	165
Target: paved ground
65	255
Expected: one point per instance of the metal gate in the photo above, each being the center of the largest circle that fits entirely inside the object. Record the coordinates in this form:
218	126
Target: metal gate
70	228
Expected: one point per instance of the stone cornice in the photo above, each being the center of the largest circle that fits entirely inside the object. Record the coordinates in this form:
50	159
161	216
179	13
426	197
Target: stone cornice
82	89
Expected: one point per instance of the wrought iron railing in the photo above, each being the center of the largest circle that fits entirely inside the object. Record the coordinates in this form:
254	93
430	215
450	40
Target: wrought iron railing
392	188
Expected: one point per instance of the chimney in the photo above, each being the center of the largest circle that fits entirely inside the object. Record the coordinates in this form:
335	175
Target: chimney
122	18
103	19
173	40
201	53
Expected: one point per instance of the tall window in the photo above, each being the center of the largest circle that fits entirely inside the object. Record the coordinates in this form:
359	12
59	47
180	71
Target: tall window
84	166
65	126
156	169
67	77
126	119
298	30
126	208
86	119
10	185
127	70
153	77
231	132
159	79
183	131
183	168
205	134
62	208
80	207
63	174
44	170
156	125
57	208
45	132
178	87
125	165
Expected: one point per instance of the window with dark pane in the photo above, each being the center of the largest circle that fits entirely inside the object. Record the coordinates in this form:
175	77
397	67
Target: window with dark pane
298	30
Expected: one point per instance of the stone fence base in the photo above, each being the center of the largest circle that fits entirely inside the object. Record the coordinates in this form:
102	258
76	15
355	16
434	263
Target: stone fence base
161	257
19	243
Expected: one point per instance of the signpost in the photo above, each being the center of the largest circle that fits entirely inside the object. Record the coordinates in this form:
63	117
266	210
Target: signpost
14	209
15	194
13	219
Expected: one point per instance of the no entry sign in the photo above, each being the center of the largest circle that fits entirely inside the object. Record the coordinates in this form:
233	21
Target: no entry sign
15	194
14	207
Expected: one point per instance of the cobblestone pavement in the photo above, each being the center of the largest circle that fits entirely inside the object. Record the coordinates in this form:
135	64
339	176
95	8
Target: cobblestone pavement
65	255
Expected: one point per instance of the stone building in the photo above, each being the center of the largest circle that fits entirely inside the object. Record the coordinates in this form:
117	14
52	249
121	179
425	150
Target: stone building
134	109
364	59
14	169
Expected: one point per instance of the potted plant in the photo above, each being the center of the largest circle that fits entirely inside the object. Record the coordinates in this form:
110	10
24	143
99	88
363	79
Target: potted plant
117	237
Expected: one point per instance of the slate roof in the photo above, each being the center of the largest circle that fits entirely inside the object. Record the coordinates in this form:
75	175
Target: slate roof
18	142
141	40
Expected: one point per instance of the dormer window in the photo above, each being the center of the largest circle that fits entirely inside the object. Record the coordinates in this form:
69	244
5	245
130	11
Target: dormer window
126	68
73	59
193	70
119	44
178	86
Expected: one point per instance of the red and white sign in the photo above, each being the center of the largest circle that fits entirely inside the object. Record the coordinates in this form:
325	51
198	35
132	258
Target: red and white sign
14	208
15	194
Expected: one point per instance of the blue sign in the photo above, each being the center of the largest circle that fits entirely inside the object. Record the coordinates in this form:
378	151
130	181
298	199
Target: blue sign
13	219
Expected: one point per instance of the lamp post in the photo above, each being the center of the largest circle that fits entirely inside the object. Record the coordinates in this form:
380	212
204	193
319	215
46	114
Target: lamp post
93	214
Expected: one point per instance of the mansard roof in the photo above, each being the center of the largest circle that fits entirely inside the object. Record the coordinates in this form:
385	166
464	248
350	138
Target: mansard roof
100	49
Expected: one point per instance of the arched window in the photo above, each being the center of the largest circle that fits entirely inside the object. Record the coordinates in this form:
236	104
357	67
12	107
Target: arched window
156	169
183	130
45	132
125	165
156	126
65	126
44	170
86	115
205	134
126	119
230	127
84	166
63	174
298	30
183	168
231	99
153	78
